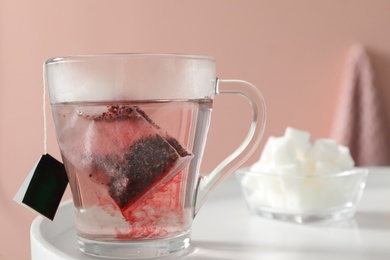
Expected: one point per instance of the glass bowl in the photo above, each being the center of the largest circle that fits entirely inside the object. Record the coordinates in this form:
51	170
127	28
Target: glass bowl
303	199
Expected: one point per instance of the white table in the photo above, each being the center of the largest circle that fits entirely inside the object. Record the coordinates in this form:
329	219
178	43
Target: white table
224	229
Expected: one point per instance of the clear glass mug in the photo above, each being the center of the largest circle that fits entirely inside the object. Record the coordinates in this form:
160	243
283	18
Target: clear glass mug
132	129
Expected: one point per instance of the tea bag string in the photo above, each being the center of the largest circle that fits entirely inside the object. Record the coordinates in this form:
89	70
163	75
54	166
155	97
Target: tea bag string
44	116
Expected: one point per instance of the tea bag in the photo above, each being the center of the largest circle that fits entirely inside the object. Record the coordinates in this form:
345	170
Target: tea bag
131	155
44	186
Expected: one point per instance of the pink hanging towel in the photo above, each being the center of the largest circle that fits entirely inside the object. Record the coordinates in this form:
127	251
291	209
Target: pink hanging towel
360	121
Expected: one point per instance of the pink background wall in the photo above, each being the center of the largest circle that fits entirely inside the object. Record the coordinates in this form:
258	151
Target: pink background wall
294	51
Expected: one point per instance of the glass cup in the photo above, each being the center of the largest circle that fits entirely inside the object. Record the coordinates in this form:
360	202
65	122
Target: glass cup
132	129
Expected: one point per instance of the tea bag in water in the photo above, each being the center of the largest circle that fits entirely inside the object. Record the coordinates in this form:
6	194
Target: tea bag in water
131	155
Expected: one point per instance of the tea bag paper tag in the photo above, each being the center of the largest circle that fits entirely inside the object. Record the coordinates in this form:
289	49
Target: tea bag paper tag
44	187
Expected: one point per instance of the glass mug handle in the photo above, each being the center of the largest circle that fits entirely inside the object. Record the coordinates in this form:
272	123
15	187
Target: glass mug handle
237	87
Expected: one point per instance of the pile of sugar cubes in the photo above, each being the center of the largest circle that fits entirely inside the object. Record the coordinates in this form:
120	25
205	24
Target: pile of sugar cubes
285	161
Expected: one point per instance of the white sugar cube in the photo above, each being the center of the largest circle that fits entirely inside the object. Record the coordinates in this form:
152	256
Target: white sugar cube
300	139
275	199
293	200
325	150
308	192
322	168
283	151
307	167
265	157
256	167
258	199
345	160
291	169
250	183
